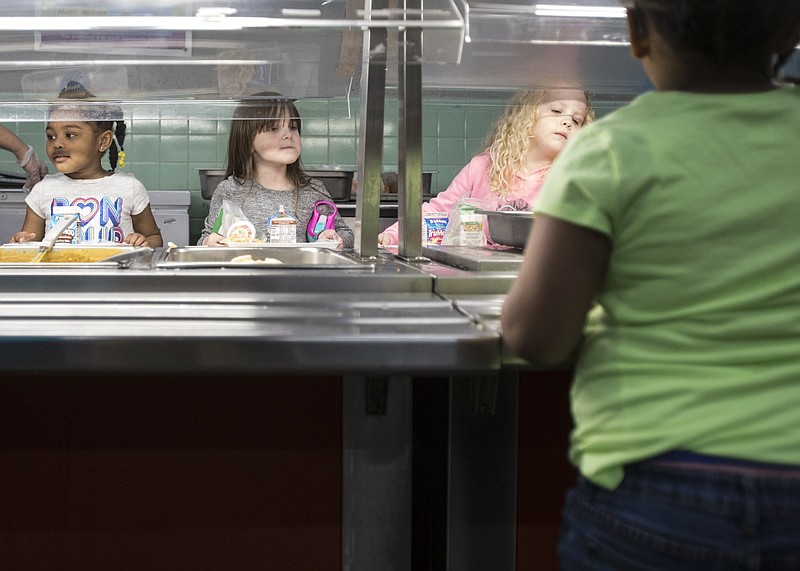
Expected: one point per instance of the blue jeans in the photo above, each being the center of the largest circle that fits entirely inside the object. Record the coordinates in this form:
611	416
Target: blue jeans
666	518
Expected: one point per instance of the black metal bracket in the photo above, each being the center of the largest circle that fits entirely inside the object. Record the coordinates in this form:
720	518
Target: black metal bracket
375	394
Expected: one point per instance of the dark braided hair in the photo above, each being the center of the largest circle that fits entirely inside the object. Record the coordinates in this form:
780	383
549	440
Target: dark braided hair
102	117
723	30
116	126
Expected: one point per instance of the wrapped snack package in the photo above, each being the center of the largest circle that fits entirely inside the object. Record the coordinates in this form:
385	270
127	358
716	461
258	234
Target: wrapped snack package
234	226
465	225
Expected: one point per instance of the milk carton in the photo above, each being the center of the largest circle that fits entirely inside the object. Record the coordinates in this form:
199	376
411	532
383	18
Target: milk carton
282	228
72	234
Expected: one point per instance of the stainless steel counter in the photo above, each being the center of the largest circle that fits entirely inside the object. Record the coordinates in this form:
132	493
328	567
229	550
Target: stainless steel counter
331	333
381	317
378	315
476	281
485	259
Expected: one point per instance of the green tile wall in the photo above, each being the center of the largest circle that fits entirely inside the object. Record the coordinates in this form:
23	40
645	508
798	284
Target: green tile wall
164	154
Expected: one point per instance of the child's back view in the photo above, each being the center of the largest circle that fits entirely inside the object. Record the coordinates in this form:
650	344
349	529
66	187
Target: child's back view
678	216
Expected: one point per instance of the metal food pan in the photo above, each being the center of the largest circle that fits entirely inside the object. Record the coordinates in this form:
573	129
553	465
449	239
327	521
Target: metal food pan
263	257
73	256
509	227
389	180
339	183
209	179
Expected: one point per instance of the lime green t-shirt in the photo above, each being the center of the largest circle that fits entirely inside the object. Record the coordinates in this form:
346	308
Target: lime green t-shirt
695	340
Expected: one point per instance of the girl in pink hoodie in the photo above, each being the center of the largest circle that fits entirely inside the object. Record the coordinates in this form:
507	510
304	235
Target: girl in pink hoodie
520	148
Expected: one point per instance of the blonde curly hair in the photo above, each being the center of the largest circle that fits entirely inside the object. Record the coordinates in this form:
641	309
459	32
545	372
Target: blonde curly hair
510	136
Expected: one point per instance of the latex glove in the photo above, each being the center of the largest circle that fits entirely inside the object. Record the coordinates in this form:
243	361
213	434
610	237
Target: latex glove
34	168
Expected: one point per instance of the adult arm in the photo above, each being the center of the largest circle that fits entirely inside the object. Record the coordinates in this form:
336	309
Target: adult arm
545	312
26	156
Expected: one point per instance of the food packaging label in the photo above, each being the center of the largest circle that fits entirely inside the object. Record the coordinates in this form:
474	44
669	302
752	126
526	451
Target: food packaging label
434	225
241	231
73	233
470	233
282	228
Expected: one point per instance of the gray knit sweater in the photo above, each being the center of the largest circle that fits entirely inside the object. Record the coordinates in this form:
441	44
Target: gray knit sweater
259	204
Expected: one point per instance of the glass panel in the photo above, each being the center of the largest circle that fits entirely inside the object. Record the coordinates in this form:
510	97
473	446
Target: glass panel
594	22
195	59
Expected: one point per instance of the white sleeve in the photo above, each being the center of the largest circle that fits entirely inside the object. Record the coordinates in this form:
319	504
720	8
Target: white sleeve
139	195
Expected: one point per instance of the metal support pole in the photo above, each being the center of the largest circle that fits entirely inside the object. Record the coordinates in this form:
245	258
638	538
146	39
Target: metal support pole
482	479
409	179
370	141
376	478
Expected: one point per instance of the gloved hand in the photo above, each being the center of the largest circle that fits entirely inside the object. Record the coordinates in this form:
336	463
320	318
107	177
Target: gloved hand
34	168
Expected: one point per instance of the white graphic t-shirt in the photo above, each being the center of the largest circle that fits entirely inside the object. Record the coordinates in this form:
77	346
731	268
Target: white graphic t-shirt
105	204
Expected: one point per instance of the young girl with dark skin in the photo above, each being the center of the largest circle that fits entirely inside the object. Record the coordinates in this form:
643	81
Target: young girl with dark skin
672	222
114	206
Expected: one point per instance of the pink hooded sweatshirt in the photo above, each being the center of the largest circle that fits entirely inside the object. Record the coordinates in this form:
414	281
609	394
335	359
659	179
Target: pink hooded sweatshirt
473	182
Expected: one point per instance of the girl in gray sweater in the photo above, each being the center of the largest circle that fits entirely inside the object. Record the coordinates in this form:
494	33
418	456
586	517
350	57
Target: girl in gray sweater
264	173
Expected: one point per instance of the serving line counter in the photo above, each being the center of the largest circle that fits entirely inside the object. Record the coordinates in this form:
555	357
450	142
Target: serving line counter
207	321
327	308
378	324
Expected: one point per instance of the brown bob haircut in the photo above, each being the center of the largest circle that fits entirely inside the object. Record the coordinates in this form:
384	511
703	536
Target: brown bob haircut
255	114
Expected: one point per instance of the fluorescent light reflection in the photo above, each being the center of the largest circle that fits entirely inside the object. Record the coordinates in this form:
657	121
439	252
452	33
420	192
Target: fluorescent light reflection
123	62
579	11
121	23
214	21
